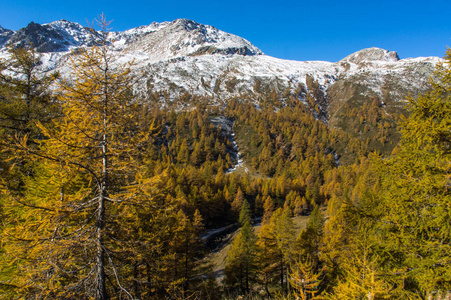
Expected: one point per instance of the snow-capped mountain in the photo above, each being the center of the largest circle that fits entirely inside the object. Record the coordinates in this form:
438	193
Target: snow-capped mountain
163	41
59	36
372	54
5	35
184	56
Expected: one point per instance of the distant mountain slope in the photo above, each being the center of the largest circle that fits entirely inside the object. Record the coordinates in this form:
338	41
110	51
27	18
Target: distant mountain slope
184	56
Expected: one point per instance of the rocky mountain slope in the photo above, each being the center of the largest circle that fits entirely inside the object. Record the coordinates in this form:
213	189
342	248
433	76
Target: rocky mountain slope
184	56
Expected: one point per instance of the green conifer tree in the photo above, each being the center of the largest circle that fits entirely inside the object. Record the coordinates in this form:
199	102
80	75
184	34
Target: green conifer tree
241	263
310	239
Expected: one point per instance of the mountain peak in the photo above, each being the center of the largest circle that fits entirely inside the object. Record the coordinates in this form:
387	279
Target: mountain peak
5	35
186	23
372	54
63	24
57	36
182	38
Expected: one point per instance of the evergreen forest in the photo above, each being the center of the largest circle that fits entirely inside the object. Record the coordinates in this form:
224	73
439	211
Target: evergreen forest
106	194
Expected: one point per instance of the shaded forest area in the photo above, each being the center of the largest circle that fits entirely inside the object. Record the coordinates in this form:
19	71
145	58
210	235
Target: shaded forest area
106	196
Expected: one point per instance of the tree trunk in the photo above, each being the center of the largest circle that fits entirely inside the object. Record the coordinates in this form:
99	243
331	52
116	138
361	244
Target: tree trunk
149	279
101	287
281	279
102	294
185	284
247	279
136	280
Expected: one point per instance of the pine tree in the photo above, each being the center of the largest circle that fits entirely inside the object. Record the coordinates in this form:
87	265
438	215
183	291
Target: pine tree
310	239
241	264
245	214
237	203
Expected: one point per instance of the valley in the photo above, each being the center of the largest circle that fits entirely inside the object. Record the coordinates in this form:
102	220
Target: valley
177	161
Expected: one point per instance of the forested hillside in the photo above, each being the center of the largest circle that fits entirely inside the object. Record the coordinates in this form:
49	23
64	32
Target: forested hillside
109	195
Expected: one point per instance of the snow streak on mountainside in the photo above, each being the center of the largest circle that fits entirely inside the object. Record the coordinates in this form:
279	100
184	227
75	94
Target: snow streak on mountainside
184	56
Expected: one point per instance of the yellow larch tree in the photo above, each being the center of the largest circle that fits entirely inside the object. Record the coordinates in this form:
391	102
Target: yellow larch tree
68	229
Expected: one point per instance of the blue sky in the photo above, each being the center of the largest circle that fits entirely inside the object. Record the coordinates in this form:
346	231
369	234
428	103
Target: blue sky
298	30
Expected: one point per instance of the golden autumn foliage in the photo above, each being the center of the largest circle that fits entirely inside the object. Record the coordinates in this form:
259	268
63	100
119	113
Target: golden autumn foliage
62	232
106	196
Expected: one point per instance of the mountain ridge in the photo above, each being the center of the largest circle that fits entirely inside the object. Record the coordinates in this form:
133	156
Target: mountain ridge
74	29
183	56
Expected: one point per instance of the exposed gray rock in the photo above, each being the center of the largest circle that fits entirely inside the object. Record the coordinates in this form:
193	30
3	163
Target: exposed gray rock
57	36
40	37
372	54
5	35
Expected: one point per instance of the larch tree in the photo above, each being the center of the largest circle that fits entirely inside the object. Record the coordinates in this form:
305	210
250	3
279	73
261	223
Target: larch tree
184	246
24	91
363	275
415	196
395	227
304	279
25	99
276	241
65	232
